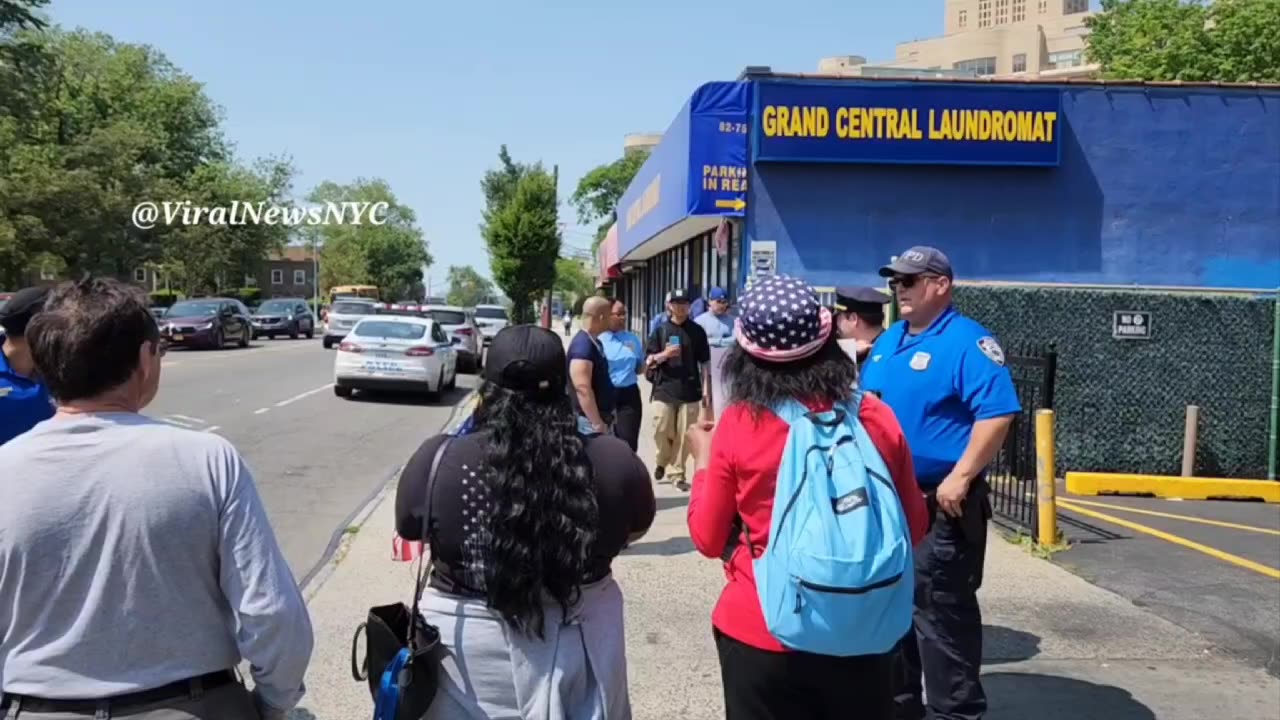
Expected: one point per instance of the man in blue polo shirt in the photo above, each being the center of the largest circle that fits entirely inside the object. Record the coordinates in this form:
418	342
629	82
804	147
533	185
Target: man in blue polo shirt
944	376
24	401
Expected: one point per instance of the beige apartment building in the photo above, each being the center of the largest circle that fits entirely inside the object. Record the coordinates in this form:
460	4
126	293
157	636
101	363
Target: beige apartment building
984	38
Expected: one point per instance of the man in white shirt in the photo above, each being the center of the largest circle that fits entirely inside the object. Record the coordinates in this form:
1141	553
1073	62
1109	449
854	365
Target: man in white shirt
137	565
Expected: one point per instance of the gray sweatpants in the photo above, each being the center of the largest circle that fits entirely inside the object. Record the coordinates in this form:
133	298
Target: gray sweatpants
229	702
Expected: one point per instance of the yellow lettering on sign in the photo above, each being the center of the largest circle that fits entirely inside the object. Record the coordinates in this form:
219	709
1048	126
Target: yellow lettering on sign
647	201
1024	126
812	121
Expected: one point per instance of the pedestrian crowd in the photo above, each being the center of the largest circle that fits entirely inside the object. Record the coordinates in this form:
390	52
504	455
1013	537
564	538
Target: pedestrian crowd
840	480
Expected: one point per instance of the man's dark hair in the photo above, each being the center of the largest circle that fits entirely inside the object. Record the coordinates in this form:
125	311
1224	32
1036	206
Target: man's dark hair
85	341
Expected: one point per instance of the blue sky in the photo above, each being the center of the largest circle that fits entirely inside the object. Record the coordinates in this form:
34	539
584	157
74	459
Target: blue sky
423	93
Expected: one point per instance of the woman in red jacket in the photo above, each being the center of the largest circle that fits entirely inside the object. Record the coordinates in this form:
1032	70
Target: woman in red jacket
785	350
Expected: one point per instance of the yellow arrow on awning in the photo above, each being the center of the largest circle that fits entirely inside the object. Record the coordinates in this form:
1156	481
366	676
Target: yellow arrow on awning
734	204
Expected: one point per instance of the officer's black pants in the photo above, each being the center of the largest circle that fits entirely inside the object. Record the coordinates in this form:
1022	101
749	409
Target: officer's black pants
630	412
946	644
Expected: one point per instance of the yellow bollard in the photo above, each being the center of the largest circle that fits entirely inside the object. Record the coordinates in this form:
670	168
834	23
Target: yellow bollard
1046	478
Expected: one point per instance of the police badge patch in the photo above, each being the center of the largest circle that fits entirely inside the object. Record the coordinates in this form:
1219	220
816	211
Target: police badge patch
991	349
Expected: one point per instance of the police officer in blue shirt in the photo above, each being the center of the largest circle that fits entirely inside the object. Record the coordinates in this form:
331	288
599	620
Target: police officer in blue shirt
624	352
944	376
858	313
24	401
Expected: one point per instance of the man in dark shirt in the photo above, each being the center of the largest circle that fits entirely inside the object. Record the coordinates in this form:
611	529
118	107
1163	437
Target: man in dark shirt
678	366
589	385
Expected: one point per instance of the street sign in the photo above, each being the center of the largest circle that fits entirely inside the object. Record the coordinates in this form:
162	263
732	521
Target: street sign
1131	325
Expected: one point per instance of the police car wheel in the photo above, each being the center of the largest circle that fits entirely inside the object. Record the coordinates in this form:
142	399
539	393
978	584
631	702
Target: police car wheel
342	392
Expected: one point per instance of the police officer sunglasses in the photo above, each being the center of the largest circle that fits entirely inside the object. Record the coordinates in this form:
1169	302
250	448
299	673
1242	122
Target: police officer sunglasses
908	281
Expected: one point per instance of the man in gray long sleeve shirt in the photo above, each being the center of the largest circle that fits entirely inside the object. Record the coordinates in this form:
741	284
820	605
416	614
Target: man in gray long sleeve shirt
137	564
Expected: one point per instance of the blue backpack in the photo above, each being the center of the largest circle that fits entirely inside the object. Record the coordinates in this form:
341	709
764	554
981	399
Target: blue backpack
837	577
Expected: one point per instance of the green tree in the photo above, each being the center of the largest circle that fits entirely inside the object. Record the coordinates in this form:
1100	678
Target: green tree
21	14
573	281
521	231
216	253
467	288
599	191
387	250
95	127
1228	40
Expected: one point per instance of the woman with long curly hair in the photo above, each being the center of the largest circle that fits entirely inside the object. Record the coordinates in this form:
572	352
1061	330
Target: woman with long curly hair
526	517
785	351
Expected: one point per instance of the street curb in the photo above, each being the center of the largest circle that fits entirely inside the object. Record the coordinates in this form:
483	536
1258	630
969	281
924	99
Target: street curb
315	578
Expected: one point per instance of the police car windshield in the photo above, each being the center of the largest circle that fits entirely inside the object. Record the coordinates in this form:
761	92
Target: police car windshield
493	313
448	317
192	309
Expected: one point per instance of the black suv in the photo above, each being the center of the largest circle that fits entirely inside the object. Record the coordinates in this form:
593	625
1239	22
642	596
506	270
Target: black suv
284	316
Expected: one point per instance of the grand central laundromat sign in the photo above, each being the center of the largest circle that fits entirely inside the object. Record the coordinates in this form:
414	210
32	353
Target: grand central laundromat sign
907	123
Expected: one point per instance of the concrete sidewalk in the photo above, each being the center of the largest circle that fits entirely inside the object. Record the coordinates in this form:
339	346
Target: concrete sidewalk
1057	648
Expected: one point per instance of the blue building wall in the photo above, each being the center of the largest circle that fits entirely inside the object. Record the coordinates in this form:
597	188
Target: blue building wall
1157	186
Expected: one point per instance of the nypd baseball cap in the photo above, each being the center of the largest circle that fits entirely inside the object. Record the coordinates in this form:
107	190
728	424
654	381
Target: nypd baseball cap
918	260
21	308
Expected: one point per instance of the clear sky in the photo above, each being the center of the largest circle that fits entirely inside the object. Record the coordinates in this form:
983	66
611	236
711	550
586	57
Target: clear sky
423	93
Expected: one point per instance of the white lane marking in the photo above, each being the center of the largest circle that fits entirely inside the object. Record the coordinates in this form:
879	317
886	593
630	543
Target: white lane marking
212	428
259	411
180	423
300	396
188	418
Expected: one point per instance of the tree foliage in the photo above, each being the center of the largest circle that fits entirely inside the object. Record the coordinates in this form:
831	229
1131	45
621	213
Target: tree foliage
573	280
467	288
520	228
390	255
1227	40
599	191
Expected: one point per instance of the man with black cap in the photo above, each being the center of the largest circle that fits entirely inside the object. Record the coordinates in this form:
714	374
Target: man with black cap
678	366
24	400
859	316
944	376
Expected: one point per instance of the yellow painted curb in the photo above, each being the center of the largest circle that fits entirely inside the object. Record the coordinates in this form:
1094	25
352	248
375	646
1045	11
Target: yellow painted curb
1164	486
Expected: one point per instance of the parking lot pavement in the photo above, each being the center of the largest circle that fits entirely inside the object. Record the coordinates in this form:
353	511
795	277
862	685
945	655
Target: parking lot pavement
1212	567
316	458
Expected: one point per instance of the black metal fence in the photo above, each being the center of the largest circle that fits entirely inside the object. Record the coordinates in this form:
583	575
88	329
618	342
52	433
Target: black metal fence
1012	475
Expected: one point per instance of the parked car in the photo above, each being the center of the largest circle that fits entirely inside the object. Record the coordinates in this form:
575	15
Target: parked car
156	312
491	319
284	316
207	322
343	315
395	352
462	331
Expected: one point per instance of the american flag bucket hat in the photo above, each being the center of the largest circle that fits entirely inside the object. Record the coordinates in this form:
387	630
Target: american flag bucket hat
781	320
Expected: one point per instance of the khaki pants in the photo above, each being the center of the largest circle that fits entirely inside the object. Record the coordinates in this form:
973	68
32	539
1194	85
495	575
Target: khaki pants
229	702
670	421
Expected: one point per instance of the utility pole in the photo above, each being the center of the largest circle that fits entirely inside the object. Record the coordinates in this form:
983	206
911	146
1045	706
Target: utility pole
555	181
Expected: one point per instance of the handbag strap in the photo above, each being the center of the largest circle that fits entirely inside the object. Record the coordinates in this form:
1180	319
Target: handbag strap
420	583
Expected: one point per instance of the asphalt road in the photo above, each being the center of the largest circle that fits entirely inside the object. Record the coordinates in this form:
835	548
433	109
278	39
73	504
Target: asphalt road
316	457
1226	590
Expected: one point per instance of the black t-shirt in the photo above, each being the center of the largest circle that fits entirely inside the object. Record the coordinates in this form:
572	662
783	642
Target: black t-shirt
680	380
462	501
583	347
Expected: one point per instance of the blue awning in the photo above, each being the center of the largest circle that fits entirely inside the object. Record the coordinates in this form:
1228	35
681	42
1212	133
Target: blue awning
695	176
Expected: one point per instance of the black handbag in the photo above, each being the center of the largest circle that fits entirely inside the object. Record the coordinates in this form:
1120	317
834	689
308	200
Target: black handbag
402	650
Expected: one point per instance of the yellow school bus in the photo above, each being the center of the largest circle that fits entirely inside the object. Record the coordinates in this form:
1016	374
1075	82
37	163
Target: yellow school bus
364	291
